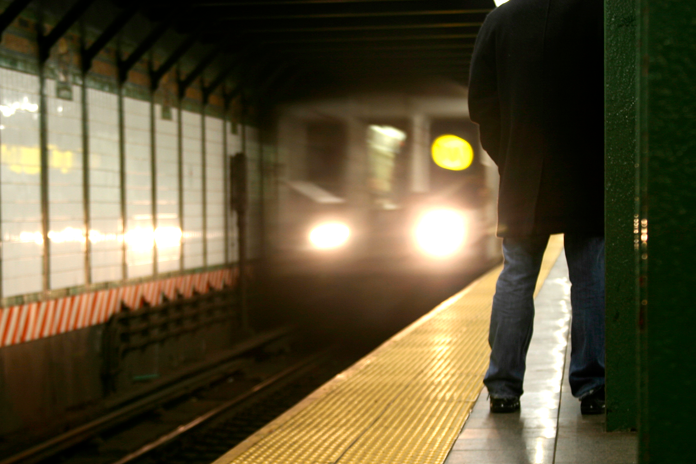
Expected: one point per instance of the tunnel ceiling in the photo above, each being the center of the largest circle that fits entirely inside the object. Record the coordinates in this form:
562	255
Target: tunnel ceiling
341	43
307	45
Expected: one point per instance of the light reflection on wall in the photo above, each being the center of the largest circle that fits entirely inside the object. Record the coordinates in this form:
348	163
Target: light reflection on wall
168	237
26	237
67	235
24	105
25	159
139	239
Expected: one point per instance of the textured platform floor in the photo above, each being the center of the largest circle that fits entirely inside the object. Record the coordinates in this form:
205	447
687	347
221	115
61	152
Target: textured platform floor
549	428
404	403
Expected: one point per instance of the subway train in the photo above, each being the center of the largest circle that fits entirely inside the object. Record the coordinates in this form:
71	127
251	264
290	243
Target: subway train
395	182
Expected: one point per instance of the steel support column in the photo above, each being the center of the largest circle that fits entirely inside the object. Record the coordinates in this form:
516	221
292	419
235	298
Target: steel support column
180	174
204	186
153	182
86	207
225	186
242	211
43	147
620	180
122	180
667	147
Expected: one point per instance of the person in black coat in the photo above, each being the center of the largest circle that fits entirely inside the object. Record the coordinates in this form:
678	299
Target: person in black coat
536	91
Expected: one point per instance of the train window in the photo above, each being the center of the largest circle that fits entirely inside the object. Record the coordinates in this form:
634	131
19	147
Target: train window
326	156
384	145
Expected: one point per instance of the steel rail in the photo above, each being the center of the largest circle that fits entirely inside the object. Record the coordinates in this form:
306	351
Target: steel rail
204	418
138	405
310	361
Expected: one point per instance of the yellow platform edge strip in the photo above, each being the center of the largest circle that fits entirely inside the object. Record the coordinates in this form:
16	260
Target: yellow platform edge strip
405	402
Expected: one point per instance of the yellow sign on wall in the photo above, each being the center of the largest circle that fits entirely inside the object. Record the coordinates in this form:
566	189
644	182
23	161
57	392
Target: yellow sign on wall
452	152
27	160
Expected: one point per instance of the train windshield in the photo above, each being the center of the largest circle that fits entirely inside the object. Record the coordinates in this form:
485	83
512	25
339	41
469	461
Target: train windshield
384	147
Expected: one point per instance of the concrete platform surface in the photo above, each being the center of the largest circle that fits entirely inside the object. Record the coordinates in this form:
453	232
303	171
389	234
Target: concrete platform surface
549	429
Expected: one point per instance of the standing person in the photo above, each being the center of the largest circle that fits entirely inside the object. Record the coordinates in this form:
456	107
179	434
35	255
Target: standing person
536	91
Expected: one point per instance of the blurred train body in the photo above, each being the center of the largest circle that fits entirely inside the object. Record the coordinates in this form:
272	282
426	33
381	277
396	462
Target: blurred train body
359	191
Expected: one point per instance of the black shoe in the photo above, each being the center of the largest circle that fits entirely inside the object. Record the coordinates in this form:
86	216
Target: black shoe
505	405
594	402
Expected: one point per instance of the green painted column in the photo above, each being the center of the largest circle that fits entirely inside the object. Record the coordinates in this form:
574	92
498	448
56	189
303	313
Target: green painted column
667	143
620	206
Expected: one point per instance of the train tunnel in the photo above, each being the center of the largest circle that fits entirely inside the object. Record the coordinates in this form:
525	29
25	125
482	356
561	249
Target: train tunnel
189	187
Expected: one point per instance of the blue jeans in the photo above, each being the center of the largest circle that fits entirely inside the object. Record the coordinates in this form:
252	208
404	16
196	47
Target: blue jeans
512	317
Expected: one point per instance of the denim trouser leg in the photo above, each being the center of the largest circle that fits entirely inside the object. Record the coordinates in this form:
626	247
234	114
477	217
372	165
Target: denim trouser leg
512	317
585	255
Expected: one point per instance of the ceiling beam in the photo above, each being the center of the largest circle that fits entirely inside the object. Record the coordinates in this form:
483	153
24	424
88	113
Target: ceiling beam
198	70
11	13
347	23
378	49
155	34
375	38
46	42
220	78
397	27
218	3
109	33
343	9
157	74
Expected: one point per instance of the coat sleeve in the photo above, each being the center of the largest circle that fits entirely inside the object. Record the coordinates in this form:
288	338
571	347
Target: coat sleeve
484	102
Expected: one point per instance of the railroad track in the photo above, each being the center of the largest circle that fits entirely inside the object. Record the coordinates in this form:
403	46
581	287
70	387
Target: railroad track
209	435
149	421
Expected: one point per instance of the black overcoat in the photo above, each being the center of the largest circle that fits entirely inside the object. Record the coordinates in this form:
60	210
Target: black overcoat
536	91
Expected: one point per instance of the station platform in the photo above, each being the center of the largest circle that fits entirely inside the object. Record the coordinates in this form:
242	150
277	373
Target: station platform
419	397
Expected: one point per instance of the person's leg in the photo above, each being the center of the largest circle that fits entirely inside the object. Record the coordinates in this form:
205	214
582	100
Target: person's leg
585	255
512	318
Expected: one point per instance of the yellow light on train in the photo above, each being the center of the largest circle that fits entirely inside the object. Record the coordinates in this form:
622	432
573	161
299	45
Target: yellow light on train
452	152
441	232
329	235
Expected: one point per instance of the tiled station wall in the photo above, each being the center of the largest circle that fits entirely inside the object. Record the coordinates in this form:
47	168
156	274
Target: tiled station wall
20	198
106	246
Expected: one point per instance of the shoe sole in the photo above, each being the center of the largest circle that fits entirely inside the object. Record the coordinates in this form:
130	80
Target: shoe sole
504	411
591	411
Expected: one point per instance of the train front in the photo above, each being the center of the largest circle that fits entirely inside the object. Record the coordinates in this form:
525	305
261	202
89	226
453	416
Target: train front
383	193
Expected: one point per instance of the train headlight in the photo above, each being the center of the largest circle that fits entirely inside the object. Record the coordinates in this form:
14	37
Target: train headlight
329	235
441	232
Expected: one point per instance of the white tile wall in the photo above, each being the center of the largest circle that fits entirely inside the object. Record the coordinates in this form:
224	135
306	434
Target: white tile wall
105	196
20	191
20	188
168	234
215	193
66	210
193	191
139	230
